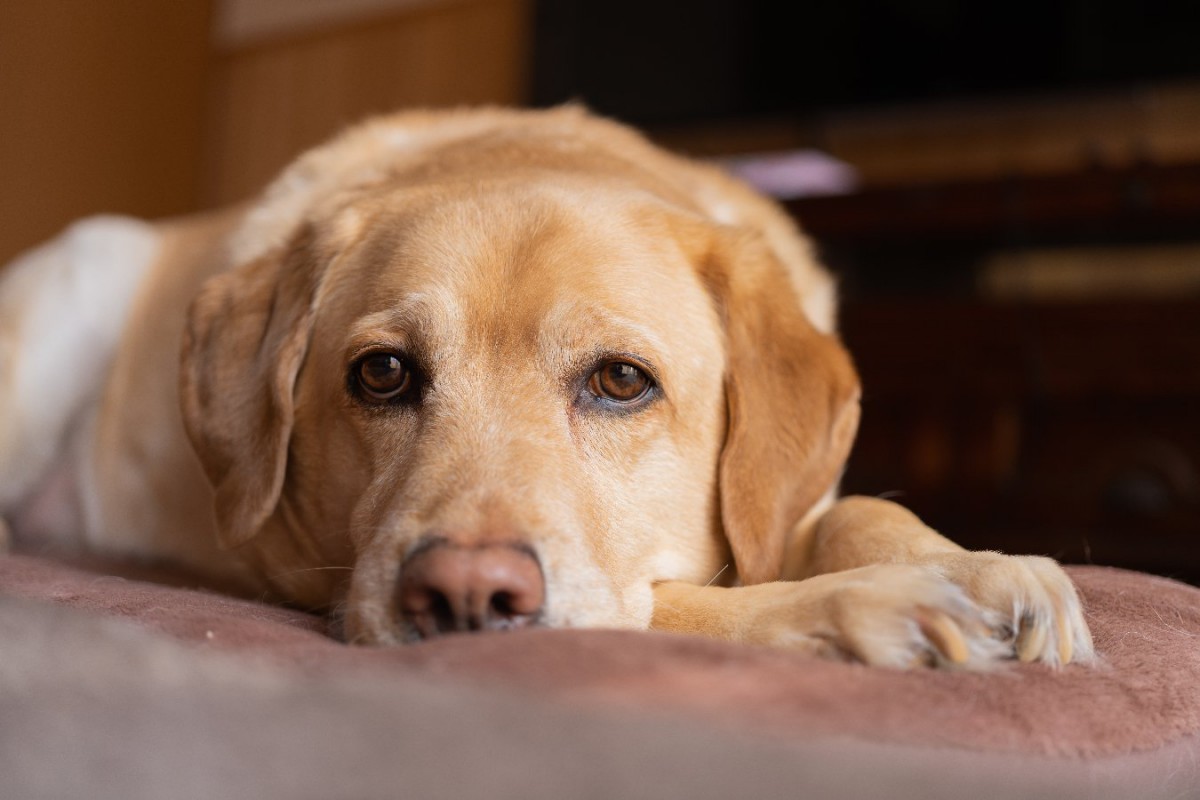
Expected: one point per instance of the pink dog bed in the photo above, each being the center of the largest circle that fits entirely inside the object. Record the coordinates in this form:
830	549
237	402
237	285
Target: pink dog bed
112	687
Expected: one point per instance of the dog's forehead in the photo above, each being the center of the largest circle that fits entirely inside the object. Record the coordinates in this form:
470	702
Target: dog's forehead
533	263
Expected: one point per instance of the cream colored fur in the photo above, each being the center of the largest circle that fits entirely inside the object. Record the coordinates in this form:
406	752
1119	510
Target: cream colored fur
504	253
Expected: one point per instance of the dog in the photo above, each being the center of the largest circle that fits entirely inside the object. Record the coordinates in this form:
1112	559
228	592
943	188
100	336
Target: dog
485	370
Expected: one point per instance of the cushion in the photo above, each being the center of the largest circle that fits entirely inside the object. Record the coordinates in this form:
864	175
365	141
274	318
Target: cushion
116	687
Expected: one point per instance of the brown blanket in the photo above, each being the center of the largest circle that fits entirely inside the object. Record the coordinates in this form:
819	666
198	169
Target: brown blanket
642	702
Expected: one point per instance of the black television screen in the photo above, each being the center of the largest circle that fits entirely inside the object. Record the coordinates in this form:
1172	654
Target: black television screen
674	62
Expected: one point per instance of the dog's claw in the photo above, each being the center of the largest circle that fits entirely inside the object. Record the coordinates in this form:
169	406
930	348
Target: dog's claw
945	635
1030	641
1065	645
1044	618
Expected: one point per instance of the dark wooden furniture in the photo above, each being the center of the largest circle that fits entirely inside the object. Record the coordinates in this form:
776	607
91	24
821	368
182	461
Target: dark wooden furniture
1057	427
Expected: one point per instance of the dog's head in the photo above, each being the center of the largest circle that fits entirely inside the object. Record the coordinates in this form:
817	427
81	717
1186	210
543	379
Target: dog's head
511	381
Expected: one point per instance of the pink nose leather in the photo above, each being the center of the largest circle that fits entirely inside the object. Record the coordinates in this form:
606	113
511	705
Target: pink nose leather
448	588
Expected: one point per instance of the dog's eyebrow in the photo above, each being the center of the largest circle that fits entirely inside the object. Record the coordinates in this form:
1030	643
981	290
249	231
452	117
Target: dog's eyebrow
405	321
603	328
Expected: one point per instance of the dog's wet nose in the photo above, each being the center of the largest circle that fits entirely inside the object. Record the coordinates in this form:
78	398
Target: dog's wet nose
446	588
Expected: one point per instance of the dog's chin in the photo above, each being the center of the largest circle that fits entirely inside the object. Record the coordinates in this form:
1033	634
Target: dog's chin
374	622
366	623
370	624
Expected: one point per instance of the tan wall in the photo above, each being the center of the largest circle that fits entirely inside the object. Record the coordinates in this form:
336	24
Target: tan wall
273	99
103	110
146	107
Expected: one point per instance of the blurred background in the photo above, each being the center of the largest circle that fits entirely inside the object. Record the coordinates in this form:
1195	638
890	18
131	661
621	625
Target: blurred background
1008	192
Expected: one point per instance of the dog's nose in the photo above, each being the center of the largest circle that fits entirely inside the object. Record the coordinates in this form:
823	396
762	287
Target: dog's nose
447	587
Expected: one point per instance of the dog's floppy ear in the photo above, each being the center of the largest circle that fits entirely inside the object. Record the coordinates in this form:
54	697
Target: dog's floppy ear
246	337
792	396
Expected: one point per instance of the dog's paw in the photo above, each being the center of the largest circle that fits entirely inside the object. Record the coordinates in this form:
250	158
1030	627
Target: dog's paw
894	615
1038	612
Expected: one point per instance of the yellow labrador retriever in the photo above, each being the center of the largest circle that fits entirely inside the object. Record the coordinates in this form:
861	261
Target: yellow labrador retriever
485	370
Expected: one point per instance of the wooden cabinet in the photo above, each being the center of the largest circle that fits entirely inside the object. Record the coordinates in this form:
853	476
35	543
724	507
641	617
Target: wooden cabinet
1061	426
1060	429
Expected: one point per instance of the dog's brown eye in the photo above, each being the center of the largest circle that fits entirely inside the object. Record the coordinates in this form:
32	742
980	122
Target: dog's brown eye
383	376
620	382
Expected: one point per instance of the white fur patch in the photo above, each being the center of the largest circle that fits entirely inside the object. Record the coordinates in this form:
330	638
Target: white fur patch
63	307
722	211
820	305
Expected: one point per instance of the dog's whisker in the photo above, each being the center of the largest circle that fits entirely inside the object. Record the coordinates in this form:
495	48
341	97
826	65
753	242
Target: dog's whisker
714	577
308	569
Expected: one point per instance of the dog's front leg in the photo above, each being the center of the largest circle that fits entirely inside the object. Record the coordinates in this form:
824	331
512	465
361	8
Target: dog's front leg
896	615
1036	608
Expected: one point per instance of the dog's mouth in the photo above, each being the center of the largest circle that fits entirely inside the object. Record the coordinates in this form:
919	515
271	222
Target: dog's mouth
445	587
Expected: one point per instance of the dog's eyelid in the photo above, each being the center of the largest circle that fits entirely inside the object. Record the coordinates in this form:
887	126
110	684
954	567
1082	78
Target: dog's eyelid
402	348
357	350
604	357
